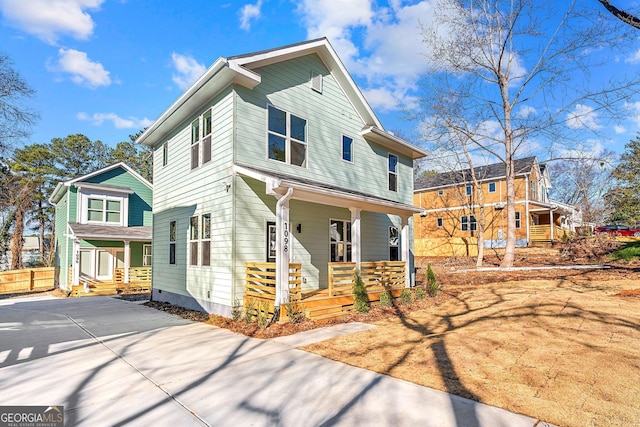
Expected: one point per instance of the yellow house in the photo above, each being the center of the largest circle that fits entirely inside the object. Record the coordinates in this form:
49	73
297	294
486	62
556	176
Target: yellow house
453	209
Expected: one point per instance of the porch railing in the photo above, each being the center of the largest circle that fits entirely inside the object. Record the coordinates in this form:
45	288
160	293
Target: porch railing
376	275
260	280
136	275
543	233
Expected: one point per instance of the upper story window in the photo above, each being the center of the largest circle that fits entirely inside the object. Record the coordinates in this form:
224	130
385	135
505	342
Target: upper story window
165	154
393	172
207	126
469	190
440	192
103	209
518	219
347	148
468	223
492	187
533	190
195	143
287	137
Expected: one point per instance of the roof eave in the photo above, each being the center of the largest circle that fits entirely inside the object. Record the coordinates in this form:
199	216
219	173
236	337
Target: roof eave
392	142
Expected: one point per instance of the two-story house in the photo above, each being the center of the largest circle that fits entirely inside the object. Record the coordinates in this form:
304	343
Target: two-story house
103	227
451	209
274	157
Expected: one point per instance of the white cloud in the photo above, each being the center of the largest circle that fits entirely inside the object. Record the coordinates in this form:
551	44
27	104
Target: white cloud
49	19
188	70
82	69
97	119
633	59
619	129
526	112
583	117
249	12
634	112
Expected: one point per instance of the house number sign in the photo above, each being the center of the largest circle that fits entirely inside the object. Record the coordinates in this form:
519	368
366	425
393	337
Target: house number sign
285	240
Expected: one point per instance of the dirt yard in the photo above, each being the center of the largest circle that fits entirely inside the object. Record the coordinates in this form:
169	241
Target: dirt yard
558	345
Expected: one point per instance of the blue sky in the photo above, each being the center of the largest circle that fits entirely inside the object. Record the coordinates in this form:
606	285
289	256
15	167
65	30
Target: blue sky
108	68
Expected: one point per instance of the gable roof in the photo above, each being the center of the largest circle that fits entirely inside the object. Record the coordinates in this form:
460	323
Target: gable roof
61	188
483	173
239	69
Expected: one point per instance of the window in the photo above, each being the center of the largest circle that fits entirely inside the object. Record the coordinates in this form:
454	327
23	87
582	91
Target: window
439	222
468	223
165	154
340	240
393	172
206	137
104	209
195	146
394	246
492	187
469	190
347	148
533	190
193	241
206	239
271	242
172	243
440	192
517	219
146	255
287	137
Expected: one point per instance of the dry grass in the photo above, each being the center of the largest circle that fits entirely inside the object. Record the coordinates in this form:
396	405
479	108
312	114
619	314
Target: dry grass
560	347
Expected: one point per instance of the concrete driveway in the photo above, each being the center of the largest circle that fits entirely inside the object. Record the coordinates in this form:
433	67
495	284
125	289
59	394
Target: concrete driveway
111	362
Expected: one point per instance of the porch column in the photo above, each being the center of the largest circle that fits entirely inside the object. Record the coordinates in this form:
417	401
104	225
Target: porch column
356	246
127	260
552	236
283	246
406	254
75	263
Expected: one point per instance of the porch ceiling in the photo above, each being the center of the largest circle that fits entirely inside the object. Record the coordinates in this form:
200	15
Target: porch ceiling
110	232
316	192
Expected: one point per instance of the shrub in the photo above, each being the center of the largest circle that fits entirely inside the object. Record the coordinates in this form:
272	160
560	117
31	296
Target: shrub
406	297
295	312
236	311
432	283
386	300
249	308
361	302
420	292
262	317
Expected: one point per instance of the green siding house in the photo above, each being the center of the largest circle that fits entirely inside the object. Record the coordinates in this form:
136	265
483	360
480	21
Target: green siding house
274	156
102	225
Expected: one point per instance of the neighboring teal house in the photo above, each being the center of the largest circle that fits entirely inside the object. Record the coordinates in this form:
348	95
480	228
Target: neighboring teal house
102	225
274	156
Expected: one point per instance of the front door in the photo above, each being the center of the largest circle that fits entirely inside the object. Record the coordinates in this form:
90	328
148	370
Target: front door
104	265
340	240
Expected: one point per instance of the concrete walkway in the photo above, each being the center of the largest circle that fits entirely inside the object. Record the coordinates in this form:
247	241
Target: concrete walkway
114	363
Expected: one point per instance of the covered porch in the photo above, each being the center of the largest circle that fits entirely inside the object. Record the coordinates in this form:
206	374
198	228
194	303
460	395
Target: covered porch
281	281
109	259
551	222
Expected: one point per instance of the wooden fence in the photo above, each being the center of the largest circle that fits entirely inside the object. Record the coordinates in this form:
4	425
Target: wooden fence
30	279
376	275
260	280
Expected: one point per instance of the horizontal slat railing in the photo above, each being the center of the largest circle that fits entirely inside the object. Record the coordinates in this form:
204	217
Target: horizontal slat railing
376	275
136	275
260	280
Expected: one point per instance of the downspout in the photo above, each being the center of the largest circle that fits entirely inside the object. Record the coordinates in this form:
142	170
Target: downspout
282	253
526	207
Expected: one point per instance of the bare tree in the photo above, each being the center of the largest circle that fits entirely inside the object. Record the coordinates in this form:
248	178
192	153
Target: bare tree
15	118
513	73
622	15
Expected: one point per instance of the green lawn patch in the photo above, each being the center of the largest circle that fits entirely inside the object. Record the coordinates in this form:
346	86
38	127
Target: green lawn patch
628	252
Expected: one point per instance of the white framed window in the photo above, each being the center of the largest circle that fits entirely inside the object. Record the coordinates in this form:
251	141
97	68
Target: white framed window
104	209
195	143
165	153
439	222
193	241
207	126
492	187
172	242
518	222
286	137
206	239
271	241
340	240
441	192
347	148
394	244
469	190
393	172
533	190
468	223
146	255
